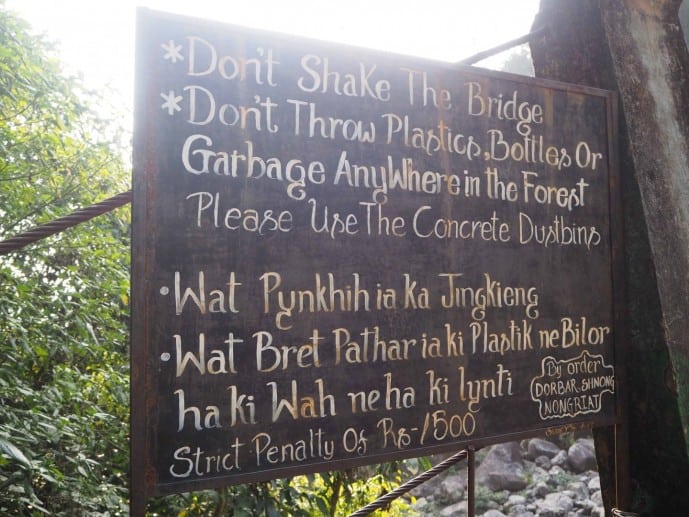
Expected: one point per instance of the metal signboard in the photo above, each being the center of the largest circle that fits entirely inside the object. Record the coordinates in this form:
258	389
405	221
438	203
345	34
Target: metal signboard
343	256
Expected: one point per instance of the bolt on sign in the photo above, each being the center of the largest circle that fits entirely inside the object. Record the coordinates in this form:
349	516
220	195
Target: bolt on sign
343	256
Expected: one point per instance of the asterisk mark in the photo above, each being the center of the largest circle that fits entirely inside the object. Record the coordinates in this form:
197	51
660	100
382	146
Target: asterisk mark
172	51
171	103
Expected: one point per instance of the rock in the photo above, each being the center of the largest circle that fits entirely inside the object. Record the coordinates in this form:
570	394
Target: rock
586	505
494	513
554	505
451	488
502	468
538	474
493	505
555	474
541	489
539	447
508	452
582	456
515	500
579	490
456	510
597	498
543	462
512	481
560	459
594	484
568	493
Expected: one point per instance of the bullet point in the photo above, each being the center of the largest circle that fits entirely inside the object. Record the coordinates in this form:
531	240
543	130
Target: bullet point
164	290
165	356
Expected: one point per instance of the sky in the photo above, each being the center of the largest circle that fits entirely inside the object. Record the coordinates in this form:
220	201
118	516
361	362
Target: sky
95	38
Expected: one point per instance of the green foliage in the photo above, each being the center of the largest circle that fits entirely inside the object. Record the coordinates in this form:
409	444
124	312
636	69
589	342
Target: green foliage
344	492
326	494
63	301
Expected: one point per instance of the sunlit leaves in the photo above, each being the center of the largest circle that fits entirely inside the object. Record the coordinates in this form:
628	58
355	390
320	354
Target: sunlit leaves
63	301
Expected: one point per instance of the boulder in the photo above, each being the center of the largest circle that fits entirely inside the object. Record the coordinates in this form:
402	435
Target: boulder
539	447
554	505
512	481
455	510
502	468
452	488
582	456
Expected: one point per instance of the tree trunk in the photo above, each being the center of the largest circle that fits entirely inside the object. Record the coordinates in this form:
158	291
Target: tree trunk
637	48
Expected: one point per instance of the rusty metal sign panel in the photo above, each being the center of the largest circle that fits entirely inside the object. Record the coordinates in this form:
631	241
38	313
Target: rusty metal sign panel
342	256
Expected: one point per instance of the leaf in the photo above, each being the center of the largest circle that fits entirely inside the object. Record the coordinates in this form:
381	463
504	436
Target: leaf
425	463
322	506
14	453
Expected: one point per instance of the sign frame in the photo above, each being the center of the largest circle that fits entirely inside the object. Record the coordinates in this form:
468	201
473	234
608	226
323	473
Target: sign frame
144	475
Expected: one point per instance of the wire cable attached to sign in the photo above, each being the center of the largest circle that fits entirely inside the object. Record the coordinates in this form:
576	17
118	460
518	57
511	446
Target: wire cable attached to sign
385	500
480	56
62	223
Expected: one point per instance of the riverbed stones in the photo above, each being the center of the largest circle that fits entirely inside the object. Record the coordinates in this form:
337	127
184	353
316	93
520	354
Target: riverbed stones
512	481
